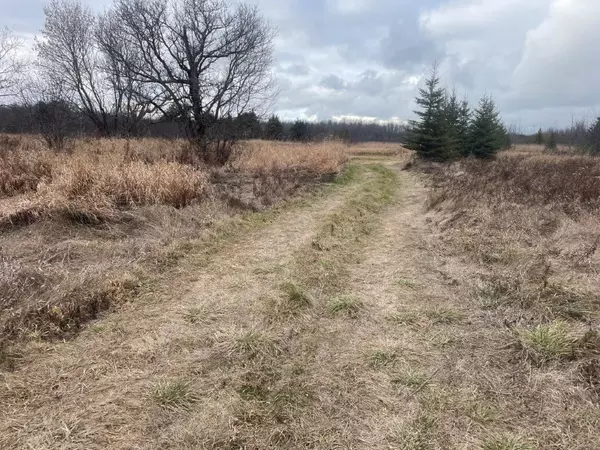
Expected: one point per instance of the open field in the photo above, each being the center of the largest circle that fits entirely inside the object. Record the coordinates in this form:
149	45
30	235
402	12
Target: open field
83	229
447	307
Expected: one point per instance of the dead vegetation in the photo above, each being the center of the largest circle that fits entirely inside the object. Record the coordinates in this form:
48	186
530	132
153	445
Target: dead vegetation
523	232
377	149
361	321
271	156
81	230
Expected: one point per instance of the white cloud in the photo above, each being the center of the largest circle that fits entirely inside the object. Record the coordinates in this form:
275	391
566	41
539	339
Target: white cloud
560	63
368	119
465	17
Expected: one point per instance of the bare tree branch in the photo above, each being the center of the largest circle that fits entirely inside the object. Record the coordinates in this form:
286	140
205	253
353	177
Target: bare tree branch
69	54
10	65
200	61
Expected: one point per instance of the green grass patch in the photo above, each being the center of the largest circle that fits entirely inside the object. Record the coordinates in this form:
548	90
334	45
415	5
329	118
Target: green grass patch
418	435
406	282
547	342
382	358
482	412
345	305
173	394
323	266
254	344
411	378
296	297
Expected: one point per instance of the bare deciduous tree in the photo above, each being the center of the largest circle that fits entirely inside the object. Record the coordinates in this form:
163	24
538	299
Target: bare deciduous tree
69	55
49	106
10	65
200	61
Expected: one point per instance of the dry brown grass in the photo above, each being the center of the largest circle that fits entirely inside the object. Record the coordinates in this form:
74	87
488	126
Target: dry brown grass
534	222
269	156
80	229
570	183
360	321
522	234
375	149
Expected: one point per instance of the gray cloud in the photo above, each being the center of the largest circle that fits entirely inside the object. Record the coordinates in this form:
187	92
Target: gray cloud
296	69
333	82
538	58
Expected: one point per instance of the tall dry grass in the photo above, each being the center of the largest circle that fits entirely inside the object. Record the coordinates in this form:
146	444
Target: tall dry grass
571	183
79	227
269	156
125	184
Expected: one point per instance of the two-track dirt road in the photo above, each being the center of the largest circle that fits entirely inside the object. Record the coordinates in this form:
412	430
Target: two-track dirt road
336	325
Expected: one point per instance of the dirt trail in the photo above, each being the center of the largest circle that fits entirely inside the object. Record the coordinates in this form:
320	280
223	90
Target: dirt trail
268	349
93	392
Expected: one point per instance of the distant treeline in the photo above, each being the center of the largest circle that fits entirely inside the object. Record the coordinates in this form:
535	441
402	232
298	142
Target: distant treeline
582	134
21	119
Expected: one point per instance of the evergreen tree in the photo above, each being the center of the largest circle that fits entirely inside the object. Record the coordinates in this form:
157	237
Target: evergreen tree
594	138
551	142
299	131
248	125
452	125
504	138
428	134
274	129
539	137
486	130
464	123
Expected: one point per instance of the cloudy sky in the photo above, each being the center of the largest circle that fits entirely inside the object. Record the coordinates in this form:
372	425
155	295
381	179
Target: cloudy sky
540	59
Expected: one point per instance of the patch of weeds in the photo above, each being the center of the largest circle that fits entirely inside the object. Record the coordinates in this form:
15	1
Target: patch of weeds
419	435
406	282
348	305
403	317
255	344
506	443
443	316
411	378
482	412
382	358
547	342
173	394
296	297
